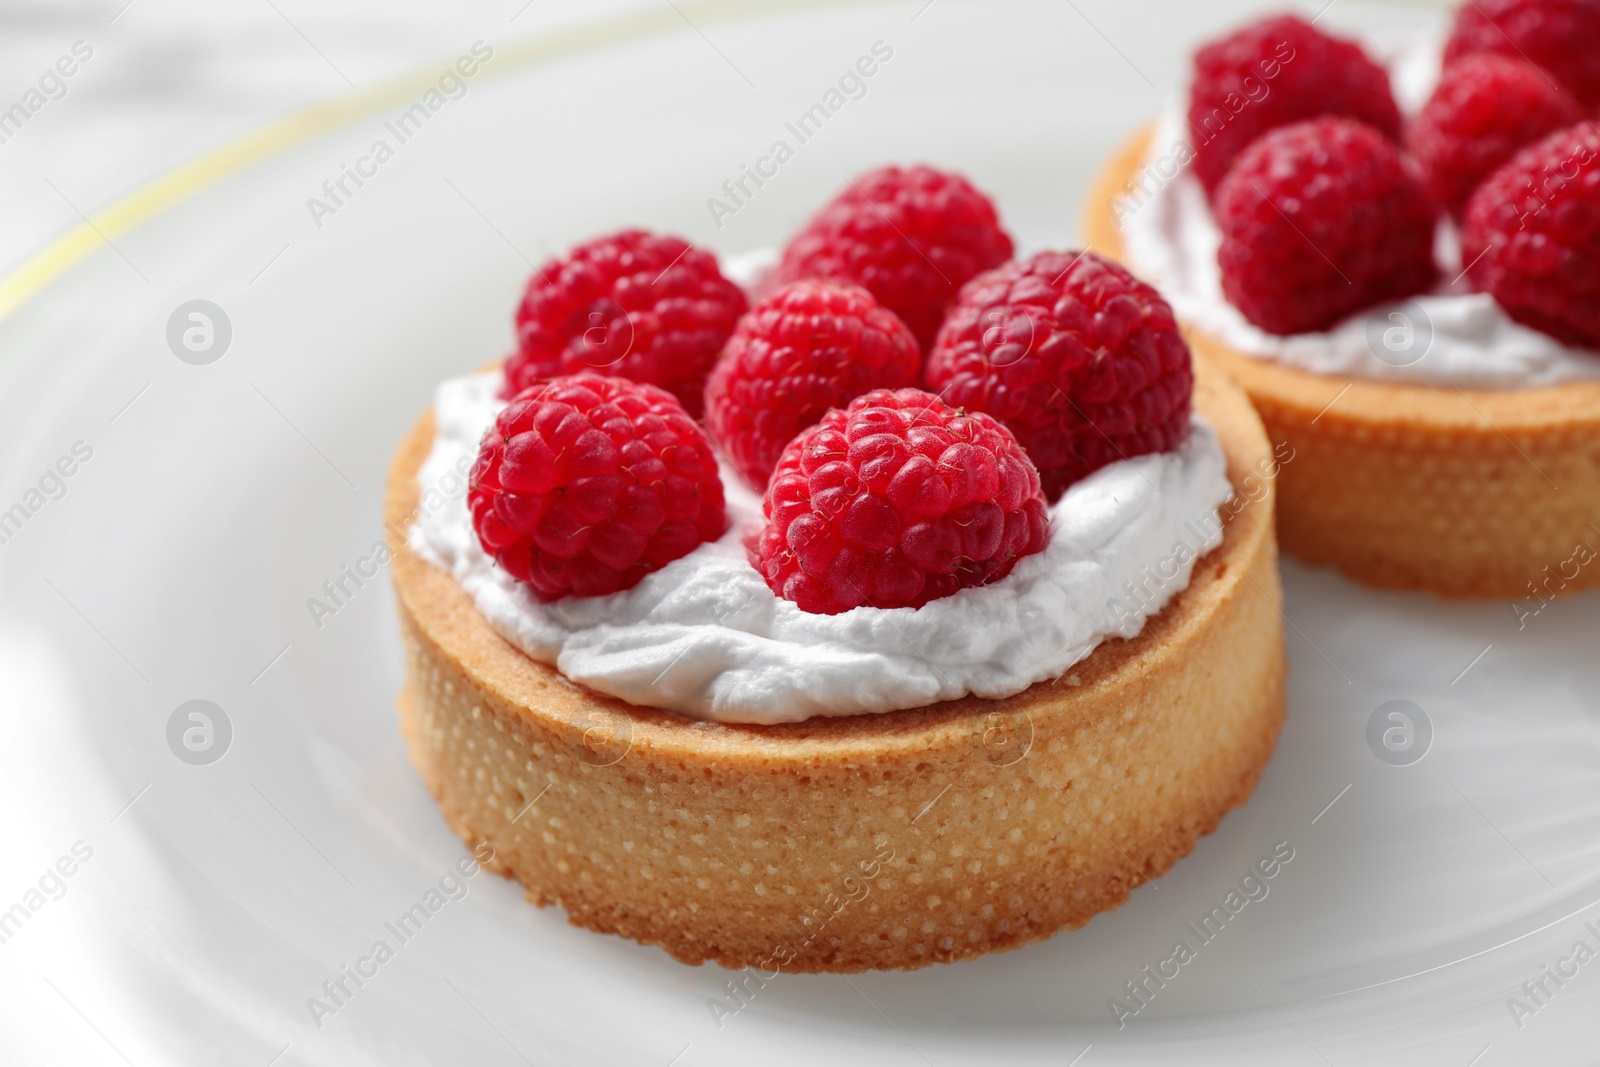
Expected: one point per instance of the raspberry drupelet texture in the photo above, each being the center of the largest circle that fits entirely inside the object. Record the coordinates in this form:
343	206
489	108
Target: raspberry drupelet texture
634	305
586	484
1078	358
810	346
1274	72
894	501
1561	36
1320	219
1531	235
910	236
1486	106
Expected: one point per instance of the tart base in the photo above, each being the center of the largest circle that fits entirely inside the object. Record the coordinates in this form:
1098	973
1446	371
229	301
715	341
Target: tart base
890	841
1459	492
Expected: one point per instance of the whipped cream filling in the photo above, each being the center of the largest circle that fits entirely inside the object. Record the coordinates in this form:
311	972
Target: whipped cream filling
1450	336
705	637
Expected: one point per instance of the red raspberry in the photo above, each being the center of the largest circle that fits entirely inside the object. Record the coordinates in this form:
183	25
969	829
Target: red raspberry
1274	72
1485	107
810	346
909	237
635	305
1560	36
895	501
1080	359
1321	219
586	484
1532	236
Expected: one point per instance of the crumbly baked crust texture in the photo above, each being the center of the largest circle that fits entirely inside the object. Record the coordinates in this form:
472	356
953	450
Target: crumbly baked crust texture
1460	492
873	841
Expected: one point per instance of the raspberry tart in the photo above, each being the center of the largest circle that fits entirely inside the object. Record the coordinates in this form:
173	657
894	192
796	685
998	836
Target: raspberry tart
1401	267
881	665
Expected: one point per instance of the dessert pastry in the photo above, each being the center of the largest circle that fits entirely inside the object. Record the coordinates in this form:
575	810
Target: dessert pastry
1434	371
897	705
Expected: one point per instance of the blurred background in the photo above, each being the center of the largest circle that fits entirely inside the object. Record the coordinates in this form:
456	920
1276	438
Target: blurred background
172	78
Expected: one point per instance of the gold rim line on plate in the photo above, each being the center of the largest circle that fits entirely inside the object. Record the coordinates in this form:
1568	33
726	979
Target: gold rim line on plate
134	209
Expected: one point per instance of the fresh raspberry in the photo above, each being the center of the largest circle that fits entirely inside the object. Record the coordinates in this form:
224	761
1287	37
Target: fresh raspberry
635	305
1531	235
895	501
1320	219
1080	359
911	237
1485	107
1560	36
810	346
1274	72
586	484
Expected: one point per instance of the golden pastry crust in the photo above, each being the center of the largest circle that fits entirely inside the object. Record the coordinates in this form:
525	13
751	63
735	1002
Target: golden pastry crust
1460	492
872	841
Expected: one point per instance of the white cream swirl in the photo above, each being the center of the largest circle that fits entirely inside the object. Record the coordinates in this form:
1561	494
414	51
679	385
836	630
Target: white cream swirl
705	637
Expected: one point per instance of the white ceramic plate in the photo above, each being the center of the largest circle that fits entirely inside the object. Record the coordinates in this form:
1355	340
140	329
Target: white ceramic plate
176	564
